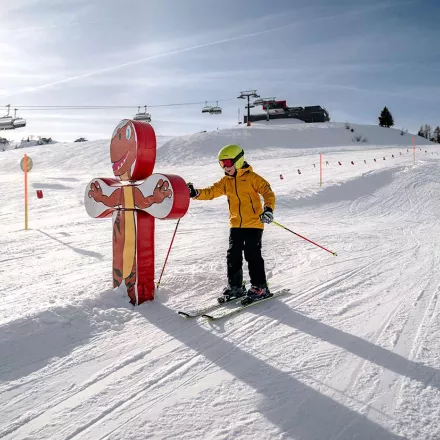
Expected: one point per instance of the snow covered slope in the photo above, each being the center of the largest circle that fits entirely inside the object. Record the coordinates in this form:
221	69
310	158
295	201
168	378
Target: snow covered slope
351	353
286	135
23	144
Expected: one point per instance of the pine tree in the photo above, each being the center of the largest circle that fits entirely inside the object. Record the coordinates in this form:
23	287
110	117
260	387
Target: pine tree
421	132
386	118
437	134
428	131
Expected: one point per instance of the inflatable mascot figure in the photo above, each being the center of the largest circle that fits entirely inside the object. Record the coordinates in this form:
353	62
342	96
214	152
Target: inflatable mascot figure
134	199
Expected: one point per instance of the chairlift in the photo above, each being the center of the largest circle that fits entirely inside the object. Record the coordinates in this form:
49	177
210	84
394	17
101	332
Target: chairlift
19	123
9	122
216	110
250	106
6	123
207	108
142	116
258	102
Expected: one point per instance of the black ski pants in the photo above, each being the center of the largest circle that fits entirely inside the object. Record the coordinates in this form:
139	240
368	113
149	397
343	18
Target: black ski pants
247	240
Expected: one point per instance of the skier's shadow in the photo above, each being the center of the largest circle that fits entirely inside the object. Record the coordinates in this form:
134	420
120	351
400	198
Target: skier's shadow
297	409
353	344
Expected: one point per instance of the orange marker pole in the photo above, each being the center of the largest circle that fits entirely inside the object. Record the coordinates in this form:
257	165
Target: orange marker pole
414	151
25	192
320	169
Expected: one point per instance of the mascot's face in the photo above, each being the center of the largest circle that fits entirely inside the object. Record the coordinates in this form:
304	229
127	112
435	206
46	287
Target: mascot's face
123	150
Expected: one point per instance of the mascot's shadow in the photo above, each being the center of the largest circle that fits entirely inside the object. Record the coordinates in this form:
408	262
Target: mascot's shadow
30	344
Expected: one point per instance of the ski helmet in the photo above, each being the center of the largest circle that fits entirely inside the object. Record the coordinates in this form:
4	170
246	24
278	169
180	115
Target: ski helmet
233	152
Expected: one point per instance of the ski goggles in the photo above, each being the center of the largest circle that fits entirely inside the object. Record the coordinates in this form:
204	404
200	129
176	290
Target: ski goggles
227	163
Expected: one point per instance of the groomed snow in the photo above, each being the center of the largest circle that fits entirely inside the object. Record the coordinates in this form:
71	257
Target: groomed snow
351	353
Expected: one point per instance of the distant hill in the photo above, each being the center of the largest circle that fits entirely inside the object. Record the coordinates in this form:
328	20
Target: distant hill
282	135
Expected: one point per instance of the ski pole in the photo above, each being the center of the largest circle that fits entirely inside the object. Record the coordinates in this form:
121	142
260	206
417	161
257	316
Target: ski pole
304	238
169	250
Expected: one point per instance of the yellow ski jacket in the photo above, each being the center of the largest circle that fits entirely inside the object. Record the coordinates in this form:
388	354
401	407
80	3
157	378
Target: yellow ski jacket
243	192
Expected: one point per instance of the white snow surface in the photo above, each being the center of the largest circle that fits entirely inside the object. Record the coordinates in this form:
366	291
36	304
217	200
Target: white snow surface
351	353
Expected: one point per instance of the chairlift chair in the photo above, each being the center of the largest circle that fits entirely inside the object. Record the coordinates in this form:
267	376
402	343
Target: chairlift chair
207	108
8	122
216	110
142	116
19	123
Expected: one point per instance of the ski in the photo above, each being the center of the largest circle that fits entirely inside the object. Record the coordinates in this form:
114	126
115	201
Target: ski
241	308
211	308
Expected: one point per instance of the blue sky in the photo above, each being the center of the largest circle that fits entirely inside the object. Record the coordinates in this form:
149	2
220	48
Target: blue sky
352	57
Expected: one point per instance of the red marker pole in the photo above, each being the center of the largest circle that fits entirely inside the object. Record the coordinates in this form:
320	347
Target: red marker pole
304	238
168	254
25	166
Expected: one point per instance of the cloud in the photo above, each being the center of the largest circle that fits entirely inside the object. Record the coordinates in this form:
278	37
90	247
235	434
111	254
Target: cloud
320	53
44	28
200	46
415	95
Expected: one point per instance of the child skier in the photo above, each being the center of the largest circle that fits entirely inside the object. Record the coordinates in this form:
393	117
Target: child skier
247	216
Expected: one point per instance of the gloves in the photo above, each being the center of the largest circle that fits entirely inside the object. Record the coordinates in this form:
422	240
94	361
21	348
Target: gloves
267	215
192	191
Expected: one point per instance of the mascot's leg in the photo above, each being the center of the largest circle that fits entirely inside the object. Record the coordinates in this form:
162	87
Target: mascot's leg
130	282
144	257
140	282
118	247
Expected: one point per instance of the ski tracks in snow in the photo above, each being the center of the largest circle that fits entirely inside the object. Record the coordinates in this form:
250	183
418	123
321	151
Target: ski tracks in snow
354	327
379	381
119	384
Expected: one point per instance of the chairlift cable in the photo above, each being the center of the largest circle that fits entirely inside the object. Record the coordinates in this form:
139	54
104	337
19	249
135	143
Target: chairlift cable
102	107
